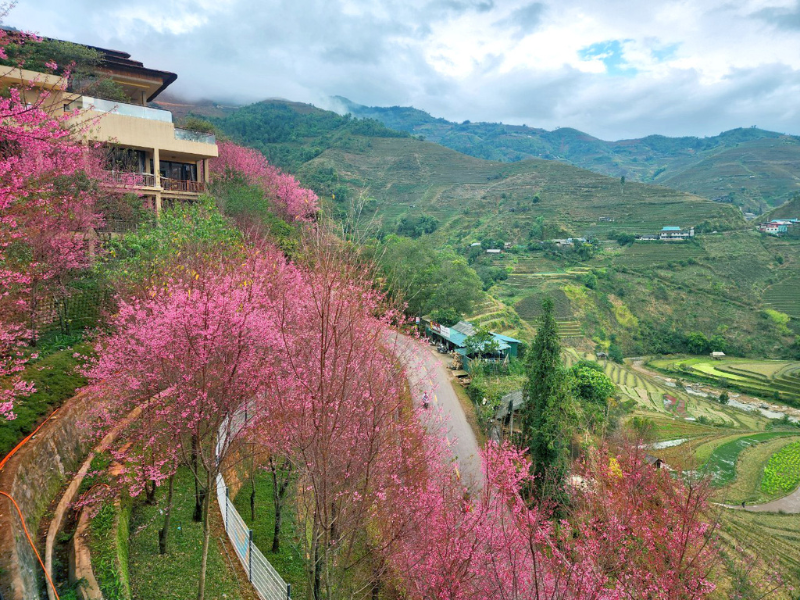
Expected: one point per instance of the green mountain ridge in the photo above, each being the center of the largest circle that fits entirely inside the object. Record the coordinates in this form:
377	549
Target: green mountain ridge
341	157
645	297
751	168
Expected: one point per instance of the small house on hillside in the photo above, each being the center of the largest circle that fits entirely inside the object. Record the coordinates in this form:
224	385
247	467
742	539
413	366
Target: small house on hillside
716	355
455	340
777	226
672	232
510	404
494	251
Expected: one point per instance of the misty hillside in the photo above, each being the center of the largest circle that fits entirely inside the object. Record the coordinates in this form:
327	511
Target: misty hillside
751	168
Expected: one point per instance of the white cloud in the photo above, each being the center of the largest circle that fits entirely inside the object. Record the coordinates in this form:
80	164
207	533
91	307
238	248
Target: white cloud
677	66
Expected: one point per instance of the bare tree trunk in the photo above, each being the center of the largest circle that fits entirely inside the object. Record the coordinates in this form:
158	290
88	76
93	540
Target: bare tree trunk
279	487
34	305
163	535
376	589
199	494
61	304
150	492
201	592
317	575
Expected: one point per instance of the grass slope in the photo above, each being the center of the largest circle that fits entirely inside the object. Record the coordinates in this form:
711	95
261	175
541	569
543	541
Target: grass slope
473	197
757	174
749	167
175	574
288	561
788	210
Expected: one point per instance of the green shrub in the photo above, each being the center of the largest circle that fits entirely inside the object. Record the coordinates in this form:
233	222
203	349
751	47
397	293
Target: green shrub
56	379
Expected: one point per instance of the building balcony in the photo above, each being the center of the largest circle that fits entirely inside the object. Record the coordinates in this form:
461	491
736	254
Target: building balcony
195	136
142	128
148	180
119	108
181	185
135	180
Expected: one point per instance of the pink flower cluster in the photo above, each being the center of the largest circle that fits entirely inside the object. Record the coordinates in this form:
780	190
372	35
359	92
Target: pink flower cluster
291	201
639	535
46	208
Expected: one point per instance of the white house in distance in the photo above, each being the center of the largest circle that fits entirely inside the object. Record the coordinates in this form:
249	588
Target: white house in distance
777	226
670	233
675	233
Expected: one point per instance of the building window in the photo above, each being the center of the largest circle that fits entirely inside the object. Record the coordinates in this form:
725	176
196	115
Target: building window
125	160
178	171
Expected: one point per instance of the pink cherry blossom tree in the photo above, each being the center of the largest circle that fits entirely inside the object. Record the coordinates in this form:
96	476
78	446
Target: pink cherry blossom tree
288	198
340	411
635	533
194	352
47	193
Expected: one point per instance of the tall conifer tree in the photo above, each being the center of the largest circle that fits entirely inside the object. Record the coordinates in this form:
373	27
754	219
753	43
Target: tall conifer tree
549	414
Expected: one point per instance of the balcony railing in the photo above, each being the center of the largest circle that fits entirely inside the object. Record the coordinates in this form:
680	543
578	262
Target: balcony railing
113	225
119	108
180	185
195	136
124	179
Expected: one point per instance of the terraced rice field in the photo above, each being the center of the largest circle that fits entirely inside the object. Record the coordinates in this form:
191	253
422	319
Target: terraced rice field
721	465
785	296
499	318
629	383
761	378
646	255
530	265
567	329
774	537
530	307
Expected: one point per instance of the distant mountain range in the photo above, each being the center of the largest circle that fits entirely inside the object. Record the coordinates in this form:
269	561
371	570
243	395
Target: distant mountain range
751	168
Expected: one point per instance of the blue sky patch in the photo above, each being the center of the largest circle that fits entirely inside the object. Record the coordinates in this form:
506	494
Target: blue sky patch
610	53
665	52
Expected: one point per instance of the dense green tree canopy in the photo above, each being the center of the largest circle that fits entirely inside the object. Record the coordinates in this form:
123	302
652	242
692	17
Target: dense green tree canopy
427	279
592	388
482	343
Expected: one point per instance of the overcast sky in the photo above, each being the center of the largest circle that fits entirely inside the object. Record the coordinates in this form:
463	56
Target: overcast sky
613	68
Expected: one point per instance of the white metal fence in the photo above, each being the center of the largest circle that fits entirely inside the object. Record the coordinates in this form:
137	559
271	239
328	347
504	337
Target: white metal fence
265	579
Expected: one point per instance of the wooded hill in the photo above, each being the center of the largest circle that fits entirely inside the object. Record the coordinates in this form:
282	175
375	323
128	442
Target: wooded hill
751	168
342	158
645	297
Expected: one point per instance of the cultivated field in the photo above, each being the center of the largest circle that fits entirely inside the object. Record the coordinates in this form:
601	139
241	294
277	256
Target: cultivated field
775	380
784	296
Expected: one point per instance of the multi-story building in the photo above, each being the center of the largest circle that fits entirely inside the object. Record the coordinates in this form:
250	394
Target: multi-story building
146	153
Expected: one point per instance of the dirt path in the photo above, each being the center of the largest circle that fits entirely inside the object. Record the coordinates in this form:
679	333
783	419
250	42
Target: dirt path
788	504
428	374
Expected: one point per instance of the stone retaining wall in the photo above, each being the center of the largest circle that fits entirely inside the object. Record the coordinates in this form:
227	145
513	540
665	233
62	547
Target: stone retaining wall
34	476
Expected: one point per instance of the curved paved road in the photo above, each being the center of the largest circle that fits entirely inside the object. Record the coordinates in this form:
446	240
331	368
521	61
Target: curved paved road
789	504
426	373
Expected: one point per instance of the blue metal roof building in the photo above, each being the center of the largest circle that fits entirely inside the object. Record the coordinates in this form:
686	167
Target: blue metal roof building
455	338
